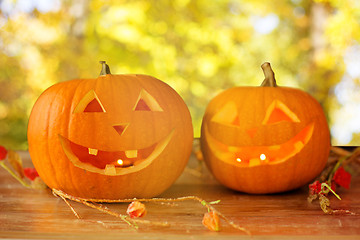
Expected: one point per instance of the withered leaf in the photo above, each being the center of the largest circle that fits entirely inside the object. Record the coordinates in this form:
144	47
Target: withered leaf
325	204
38	183
16	162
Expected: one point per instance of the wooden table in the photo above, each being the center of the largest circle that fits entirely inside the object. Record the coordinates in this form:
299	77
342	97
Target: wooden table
38	214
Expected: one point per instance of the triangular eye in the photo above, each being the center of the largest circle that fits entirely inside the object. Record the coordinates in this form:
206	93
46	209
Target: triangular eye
146	102
94	106
279	112
89	103
227	114
142	106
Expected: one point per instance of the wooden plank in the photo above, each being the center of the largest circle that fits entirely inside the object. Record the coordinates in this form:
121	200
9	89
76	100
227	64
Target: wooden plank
37	214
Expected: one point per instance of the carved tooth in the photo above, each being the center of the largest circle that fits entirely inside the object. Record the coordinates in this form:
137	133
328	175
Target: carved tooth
274	147
131	153
299	145
234	149
110	170
254	162
93	151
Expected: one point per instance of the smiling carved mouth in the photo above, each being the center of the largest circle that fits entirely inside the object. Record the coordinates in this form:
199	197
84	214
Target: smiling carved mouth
250	156
112	162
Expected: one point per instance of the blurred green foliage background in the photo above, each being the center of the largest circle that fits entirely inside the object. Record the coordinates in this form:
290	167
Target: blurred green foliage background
198	47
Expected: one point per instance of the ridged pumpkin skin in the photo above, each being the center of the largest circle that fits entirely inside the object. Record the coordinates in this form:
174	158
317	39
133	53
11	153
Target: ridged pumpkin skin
251	148
157	136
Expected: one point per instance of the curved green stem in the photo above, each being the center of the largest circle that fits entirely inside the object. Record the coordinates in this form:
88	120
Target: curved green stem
25	184
325	185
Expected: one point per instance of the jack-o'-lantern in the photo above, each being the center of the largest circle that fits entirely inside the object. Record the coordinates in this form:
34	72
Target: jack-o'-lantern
116	136
264	139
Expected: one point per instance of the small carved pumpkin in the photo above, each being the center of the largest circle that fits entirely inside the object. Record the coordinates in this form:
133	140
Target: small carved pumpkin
116	136
264	139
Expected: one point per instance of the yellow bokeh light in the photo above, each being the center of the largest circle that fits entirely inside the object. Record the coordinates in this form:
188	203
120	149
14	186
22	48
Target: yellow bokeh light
262	157
210	48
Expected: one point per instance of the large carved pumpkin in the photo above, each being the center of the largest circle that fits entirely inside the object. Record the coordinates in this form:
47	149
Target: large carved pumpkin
264	139
116	136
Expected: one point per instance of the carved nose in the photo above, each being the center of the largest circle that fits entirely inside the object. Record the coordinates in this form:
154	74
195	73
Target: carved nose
120	128
251	132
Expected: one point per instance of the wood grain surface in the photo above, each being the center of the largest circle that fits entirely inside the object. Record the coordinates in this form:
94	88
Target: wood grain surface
38	214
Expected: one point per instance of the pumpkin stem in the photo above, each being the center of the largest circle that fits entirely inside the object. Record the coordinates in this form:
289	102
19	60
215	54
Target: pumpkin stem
269	80
105	68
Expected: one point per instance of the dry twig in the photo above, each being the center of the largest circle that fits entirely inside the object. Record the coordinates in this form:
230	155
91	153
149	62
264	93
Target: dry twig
133	222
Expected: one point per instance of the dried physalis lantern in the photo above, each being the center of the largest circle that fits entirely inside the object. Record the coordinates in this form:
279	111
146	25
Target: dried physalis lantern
115	136
265	139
